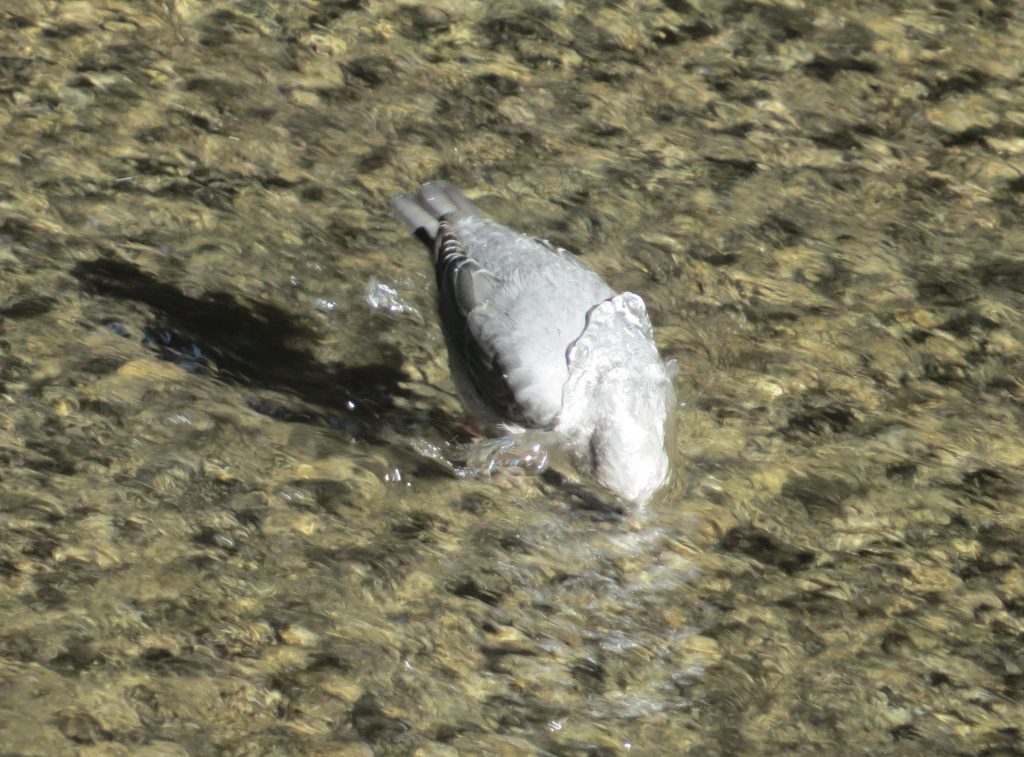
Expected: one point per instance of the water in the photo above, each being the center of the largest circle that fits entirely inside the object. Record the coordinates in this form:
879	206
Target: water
220	371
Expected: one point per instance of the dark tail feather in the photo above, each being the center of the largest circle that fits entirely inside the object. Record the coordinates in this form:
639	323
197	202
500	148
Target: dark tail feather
421	212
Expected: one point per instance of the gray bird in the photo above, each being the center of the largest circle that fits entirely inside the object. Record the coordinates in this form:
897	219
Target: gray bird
536	340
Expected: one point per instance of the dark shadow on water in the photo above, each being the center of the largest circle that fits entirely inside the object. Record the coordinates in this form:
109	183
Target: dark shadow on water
267	349
252	344
598	508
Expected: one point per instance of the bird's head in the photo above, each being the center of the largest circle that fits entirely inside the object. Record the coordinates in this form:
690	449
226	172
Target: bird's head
628	449
619	403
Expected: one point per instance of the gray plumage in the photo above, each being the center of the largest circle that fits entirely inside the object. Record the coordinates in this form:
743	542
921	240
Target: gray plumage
537	340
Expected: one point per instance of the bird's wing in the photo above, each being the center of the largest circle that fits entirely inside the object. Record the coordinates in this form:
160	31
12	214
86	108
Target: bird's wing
510	305
465	287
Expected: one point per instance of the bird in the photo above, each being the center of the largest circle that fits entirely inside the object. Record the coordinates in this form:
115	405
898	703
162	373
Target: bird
538	341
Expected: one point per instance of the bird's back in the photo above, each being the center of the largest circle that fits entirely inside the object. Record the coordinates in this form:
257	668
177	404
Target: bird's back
510	304
536	309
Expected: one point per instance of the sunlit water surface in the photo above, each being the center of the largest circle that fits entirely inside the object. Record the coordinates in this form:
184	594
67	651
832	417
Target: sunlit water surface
221	531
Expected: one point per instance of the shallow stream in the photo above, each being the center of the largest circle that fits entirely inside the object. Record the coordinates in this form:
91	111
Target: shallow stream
219	366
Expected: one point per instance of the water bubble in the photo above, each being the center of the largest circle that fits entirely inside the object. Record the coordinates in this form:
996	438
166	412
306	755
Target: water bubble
381	296
325	305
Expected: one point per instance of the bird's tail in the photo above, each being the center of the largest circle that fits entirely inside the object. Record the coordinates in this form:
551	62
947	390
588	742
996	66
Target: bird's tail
422	212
